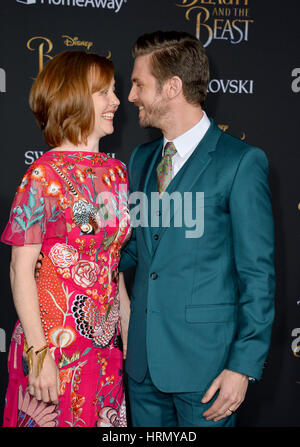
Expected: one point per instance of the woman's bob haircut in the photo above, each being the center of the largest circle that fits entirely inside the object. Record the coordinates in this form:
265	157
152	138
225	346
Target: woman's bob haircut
61	95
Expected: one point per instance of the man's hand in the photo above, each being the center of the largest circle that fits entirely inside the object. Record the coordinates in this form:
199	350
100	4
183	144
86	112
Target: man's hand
233	387
38	265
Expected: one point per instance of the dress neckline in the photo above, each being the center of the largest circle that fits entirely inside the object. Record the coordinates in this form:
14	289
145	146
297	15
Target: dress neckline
76	153
78	156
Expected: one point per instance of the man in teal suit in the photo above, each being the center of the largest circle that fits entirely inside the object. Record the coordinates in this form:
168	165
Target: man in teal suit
202	299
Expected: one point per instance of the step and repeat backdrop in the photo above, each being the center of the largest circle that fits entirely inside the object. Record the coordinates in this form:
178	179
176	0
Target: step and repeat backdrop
253	94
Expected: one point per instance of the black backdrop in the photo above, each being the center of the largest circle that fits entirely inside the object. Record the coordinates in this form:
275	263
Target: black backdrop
253	47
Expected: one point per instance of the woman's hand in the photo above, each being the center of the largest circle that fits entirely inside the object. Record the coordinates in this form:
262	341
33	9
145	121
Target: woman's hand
46	386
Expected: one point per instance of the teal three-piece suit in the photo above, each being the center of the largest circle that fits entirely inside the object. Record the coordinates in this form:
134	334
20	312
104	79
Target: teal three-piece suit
202	304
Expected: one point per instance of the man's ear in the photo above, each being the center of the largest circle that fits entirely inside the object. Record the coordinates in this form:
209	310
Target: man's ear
174	87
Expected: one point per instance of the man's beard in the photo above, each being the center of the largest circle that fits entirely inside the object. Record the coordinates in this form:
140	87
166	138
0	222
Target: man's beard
154	114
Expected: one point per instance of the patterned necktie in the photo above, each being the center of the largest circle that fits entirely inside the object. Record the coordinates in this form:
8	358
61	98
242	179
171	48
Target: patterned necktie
164	168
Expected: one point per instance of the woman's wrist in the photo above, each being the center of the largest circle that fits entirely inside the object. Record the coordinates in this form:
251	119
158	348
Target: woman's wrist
35	357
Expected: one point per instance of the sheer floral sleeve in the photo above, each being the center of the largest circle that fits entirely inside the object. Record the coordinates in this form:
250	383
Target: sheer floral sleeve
35	213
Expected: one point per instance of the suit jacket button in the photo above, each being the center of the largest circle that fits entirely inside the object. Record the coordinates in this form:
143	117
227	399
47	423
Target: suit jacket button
154	275
156	237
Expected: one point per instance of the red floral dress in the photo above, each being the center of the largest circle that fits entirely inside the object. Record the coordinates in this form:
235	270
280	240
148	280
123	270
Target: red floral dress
75	205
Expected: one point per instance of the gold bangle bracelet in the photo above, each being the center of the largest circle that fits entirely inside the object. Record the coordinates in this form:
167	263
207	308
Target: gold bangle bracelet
28	349
41	349
40	354
29	353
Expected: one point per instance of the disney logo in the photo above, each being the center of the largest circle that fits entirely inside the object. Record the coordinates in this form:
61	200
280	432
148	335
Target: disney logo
75	42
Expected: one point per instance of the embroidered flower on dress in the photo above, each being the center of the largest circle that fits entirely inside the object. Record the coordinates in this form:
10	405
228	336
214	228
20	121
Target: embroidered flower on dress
63	202
93	293
38	173
85	273
80	175
77	401
53	188
112	174
63	255
103	363
110	417
106	180
62	337
64	272
120	172
65	376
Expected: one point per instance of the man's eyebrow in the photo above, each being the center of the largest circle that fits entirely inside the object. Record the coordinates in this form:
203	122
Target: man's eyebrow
134	79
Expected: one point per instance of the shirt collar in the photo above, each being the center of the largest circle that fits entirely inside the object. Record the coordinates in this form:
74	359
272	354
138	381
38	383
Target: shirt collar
190	139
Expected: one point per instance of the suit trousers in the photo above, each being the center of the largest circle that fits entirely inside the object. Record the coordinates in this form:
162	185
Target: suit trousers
151	407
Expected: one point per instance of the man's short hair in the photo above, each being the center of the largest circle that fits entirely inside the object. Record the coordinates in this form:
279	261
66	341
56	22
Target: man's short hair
175	53
61	99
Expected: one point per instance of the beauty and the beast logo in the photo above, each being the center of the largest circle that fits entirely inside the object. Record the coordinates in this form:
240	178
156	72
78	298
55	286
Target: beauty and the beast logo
218	19
44	47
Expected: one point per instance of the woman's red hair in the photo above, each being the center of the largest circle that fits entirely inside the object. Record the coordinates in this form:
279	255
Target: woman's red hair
61	99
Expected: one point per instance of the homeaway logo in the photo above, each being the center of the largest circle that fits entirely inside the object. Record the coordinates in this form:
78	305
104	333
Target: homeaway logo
114	5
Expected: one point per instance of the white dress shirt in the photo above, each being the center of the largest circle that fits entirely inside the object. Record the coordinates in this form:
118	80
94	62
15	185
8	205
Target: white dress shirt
186	143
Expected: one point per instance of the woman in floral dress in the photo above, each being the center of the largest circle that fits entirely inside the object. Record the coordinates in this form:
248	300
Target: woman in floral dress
72	206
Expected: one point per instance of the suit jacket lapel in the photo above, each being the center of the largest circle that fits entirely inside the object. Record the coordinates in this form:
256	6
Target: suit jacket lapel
197	162
157	153
193	168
